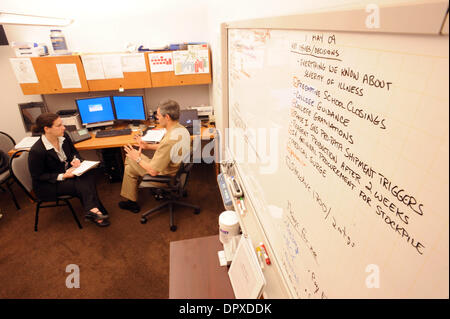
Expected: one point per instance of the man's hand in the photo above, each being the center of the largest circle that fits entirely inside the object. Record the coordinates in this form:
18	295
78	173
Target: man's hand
140	142
132	153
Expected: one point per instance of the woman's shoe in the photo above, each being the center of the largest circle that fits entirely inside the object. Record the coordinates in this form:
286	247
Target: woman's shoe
100	222
97	219
91	215
103	223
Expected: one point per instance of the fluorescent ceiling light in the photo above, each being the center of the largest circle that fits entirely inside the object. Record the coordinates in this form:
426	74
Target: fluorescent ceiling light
26	19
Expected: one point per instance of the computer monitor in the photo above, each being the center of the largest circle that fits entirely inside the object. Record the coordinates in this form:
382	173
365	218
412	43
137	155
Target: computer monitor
30	112
129	108
187	118
97	111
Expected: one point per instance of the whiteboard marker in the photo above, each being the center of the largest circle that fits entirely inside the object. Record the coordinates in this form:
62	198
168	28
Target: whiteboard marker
266	255
242	204
261	263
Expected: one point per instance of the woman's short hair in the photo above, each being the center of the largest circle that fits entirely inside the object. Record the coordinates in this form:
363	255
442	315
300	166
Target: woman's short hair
44	120
171	108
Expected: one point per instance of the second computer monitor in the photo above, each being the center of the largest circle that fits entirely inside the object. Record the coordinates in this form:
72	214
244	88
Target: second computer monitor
129	108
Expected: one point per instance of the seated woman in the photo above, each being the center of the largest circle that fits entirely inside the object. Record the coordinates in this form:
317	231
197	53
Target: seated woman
52	160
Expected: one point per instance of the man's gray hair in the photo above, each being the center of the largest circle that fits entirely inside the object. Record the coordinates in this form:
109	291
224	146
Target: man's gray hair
171	108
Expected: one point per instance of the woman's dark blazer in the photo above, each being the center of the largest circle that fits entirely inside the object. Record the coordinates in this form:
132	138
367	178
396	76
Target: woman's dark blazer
45	166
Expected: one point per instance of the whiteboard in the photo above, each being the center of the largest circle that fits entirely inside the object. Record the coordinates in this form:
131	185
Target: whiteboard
341	142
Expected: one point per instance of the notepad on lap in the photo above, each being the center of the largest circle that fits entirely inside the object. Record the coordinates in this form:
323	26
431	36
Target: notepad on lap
84	167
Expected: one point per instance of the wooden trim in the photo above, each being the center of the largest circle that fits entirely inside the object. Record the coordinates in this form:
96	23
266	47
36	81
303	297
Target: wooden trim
444	30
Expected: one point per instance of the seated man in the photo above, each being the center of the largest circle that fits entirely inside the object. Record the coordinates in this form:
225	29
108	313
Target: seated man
166	159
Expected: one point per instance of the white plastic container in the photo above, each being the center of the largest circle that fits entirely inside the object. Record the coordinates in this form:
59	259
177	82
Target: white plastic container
59	43
228	226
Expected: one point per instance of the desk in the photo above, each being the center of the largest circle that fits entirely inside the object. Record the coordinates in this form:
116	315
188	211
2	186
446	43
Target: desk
119	141
195	272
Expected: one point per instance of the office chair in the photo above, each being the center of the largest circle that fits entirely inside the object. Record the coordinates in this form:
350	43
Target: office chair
174	189
7	143
20	172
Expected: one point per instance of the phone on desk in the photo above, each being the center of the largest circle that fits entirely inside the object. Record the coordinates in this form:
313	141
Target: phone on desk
79	135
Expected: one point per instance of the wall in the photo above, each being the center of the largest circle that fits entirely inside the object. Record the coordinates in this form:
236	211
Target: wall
10	96
107	26
102	26
235	10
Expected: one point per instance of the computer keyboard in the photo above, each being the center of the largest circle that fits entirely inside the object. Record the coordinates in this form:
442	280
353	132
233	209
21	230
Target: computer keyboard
109	133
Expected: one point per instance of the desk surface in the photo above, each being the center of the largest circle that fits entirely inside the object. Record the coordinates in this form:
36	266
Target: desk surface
195	272
119	141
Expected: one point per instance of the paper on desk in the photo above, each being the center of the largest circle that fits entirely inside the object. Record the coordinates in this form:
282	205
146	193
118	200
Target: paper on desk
154	135
245	272
68	76
85	166
24	71
27	142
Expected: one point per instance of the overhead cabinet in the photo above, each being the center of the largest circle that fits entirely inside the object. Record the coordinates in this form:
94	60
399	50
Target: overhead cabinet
104	72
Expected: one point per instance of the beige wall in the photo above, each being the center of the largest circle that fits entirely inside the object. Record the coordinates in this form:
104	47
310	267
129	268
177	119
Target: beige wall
107	26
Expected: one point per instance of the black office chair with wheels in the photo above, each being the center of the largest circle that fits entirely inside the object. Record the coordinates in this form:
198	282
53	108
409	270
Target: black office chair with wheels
173	190
7	143
20	172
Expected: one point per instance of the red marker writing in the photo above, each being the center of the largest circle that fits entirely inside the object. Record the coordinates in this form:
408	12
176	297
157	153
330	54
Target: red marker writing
266	255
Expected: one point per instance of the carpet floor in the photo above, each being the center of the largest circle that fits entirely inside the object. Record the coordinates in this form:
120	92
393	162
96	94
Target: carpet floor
125	260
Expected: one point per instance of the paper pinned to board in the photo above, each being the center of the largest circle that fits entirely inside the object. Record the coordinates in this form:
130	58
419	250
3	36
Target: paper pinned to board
133	62
160	61
93	67
23	69
112	66
194	61
68	76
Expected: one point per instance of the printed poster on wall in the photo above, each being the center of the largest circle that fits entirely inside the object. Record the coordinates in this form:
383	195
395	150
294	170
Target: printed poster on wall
191	61
160	61
24	71
68	76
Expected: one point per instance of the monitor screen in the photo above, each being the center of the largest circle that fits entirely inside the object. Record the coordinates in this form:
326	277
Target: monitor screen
95	110
187	117
129	107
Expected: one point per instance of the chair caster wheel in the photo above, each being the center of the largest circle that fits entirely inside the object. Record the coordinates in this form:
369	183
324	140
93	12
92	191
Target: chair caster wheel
143	220
173	228
197	211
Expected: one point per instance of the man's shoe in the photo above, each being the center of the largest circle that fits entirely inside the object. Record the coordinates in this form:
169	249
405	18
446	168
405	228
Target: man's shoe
130	205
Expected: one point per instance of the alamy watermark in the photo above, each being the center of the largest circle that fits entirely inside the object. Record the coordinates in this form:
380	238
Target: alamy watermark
373	279
373	19
73	280
255	146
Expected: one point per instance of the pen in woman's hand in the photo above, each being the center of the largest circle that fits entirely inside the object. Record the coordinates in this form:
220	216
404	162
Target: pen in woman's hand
75	162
